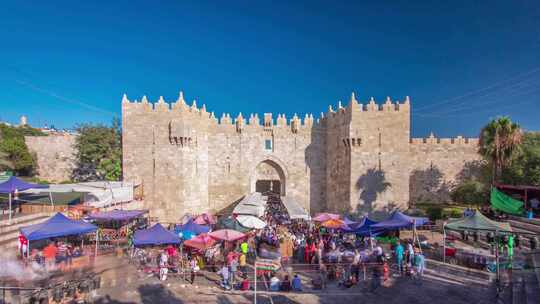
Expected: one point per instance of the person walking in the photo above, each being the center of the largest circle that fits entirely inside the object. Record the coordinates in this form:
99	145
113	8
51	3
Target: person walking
420	264
163	265
233	269
224	272
399	256
194	268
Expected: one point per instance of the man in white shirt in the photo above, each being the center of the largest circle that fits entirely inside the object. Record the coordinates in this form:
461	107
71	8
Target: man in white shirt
163	266
224	272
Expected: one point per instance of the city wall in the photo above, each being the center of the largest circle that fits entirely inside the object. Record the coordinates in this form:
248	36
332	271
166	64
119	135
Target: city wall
55	155
357	158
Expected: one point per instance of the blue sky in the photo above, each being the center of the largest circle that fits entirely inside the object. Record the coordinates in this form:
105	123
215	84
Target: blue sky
462	62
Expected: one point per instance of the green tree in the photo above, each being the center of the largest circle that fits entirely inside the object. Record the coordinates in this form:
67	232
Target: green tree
99	152
500	140
14	154
525	169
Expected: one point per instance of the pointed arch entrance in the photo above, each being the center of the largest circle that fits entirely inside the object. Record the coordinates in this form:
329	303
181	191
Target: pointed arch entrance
268	175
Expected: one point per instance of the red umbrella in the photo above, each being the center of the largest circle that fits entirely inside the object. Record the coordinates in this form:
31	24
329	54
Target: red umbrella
323	217
202	241
227	235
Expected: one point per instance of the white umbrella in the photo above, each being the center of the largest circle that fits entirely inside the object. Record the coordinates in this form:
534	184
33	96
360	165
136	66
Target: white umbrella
250	221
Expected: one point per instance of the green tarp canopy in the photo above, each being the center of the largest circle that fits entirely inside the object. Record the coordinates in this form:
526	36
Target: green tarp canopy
478	222
504	203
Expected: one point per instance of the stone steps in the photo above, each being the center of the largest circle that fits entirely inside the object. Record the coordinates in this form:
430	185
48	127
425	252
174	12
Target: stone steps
9	233
526	226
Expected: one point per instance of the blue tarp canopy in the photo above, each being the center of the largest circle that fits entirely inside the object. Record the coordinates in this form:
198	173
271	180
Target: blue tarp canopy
399	220
363	227
155	235
191	229
117	215
14	183
57	226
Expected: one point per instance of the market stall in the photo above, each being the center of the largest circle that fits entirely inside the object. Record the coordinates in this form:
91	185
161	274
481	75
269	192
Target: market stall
57	226
14	185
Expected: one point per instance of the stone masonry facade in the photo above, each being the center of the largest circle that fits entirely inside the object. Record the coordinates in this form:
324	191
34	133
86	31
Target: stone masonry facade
55	155
358	158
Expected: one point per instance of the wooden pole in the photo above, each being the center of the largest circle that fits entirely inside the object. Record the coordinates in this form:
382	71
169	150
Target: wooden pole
51	199
444	243
497	255
97	237
9	207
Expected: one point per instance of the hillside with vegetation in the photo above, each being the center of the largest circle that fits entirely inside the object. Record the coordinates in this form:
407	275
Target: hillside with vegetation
14	154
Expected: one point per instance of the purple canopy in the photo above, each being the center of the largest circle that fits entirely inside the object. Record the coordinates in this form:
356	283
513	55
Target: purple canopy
14	183
156	235
399	220
359	227
56	226
117	215
349	222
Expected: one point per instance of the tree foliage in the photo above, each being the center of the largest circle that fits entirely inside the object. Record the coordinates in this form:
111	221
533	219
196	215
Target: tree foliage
99	152
14	154
470	192
525	169
500	141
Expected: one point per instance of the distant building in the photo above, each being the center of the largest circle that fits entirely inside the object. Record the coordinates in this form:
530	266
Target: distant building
23	121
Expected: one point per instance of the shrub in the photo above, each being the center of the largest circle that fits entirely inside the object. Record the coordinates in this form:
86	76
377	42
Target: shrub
470	192
434	213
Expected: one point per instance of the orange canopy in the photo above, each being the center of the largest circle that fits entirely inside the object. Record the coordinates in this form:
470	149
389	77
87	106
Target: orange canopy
334	224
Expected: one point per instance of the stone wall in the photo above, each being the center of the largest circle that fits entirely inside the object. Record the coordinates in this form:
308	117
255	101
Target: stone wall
357	158
55	155
437	164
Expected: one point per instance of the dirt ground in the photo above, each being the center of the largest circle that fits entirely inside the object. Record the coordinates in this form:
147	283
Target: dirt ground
122	283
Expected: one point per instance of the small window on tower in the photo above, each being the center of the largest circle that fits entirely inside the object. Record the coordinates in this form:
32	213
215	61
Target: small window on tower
268	144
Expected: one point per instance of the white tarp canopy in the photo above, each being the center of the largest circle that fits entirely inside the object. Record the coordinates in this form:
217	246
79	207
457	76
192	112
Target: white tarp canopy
252	204
96	194
294	209
250	221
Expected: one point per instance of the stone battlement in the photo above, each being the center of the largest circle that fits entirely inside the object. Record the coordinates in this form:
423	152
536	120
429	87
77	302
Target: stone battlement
181	106
432	140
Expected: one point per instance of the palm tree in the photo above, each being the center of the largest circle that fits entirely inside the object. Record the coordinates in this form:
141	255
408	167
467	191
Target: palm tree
500	141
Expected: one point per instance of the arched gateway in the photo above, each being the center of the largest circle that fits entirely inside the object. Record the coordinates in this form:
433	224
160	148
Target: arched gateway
268	175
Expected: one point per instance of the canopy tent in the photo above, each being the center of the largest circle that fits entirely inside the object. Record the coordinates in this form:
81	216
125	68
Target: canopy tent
232	223
226	235
363	227
478	221
399	220
252	204
56	226
202	241
155	235
334	224
251	221
117	215
205	219
323	217
190	229
98	194
294	209
505	203
13	184
349	222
